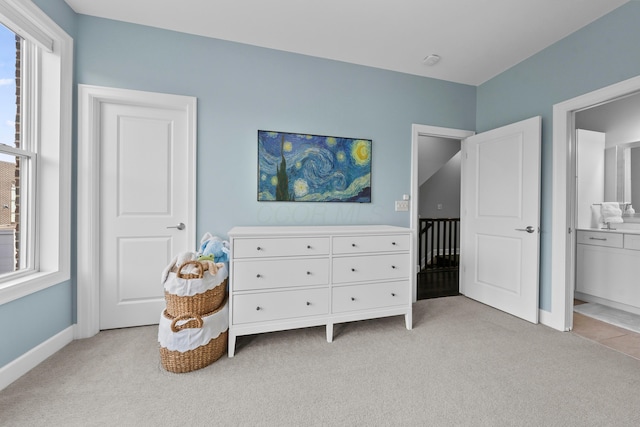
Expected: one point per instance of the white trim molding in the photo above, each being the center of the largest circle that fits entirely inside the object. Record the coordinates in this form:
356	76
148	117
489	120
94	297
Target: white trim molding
90	102
23	364
562	231
53	131
417	131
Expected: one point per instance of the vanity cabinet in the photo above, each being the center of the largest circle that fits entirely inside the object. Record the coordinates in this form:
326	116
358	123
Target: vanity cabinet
608	268
294	277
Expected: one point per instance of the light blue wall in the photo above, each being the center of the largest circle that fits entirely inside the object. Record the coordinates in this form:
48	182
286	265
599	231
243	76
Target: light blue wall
61	13
29	321
241	89
601	54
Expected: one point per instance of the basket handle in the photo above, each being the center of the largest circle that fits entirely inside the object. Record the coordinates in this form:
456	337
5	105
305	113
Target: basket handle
197	275
193	318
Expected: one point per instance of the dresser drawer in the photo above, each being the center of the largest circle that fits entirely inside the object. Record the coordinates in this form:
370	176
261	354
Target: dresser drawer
597	238
371	267
632	241
280	273
364	244
277	247
260	307
376	295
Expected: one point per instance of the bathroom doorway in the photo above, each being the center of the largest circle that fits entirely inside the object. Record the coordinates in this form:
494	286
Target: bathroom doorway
607	136
559	314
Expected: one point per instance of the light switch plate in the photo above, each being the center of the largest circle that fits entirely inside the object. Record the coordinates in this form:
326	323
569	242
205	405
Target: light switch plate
402	205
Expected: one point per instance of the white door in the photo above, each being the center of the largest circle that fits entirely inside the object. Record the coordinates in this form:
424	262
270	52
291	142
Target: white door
146	201
500	218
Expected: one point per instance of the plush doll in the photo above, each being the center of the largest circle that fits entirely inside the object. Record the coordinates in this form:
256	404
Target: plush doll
208	263
213	245
176	262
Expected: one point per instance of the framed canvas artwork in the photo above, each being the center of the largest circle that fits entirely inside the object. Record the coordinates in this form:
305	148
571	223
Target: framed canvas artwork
296	167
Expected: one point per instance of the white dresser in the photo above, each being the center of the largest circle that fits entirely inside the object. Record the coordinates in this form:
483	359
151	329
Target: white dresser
294	277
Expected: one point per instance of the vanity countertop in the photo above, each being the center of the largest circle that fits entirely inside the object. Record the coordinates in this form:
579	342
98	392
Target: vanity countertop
615	229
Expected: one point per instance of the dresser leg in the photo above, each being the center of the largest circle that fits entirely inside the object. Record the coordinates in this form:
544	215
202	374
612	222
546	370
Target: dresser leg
329	332
408	320
232	345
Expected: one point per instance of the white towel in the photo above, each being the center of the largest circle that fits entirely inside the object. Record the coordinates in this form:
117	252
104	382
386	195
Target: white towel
611	213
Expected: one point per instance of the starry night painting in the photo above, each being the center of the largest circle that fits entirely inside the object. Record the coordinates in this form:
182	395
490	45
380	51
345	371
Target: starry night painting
313	168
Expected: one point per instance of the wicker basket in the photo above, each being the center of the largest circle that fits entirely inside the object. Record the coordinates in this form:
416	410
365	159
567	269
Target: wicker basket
199	304
179	363
198	358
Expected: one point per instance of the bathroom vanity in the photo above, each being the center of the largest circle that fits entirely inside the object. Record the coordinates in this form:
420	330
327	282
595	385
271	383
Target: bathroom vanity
609	267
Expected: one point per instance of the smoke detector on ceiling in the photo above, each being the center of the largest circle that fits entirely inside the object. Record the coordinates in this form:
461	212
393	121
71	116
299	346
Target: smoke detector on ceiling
431	60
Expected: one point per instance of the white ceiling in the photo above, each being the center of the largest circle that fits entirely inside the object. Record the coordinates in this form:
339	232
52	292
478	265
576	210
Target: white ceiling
477	39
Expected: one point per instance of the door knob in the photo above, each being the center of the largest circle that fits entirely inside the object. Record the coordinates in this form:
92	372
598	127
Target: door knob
180	226
529	229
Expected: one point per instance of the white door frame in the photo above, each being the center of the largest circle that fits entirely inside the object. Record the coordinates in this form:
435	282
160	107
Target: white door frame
90	100
563	222
416	132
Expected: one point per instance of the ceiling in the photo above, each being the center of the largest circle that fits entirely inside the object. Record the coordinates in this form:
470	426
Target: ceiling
476	39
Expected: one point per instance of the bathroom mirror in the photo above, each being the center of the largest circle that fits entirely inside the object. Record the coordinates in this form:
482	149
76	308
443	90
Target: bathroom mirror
619	123
628	172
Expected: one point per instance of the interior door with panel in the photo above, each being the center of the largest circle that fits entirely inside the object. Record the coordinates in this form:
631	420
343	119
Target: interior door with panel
500	218
146	201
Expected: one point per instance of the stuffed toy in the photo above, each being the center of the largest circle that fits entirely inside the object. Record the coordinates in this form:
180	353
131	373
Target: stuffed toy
176	262
208	263
213	245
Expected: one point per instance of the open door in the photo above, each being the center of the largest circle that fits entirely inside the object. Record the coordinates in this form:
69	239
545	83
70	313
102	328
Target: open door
500	216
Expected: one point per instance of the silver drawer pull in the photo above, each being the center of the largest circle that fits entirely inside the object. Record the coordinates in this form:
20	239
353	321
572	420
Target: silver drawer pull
393	266
392	294
353	299
393	243
258	308
308	273
308	246
258	276
308	303
598	238
258	248
353	245
353	269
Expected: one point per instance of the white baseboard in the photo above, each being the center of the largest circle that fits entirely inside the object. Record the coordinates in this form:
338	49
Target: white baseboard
23	364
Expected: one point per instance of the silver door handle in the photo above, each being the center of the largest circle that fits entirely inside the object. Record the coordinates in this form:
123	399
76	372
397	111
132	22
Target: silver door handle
529	229
180	226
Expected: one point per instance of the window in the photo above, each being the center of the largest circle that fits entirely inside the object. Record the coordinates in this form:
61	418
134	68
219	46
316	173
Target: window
35	150
17	160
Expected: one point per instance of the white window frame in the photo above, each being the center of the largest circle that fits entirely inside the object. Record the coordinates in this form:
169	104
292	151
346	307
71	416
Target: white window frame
53	130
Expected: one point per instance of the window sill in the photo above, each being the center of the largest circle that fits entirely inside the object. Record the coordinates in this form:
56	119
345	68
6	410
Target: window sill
26	285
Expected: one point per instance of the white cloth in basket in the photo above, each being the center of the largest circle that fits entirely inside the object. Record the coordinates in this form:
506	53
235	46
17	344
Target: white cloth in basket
192	338
190	287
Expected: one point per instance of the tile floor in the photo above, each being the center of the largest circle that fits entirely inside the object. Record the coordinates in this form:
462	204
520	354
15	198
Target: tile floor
619	339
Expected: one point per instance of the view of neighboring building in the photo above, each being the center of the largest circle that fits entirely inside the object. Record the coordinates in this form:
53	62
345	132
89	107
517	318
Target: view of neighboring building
9	136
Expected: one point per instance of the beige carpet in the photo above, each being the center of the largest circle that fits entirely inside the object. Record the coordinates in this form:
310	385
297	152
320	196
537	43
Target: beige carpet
462	364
